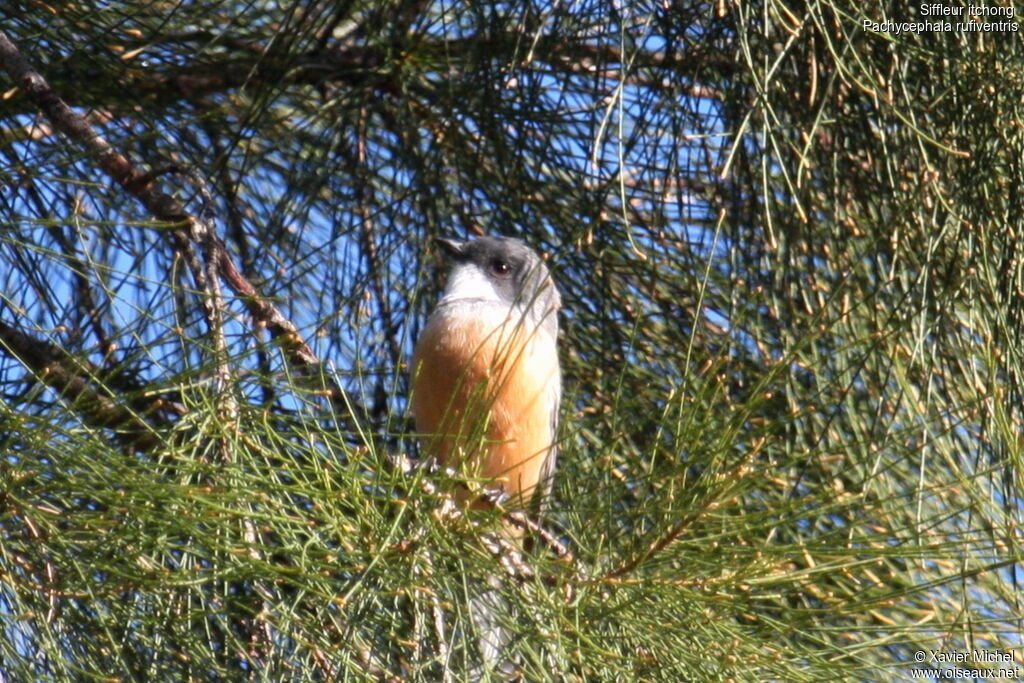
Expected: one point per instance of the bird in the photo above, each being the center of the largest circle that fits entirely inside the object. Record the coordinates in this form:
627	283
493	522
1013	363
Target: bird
486	387
486	382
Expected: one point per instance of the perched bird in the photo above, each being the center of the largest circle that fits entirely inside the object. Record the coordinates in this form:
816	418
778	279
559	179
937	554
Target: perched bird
486	379
485	391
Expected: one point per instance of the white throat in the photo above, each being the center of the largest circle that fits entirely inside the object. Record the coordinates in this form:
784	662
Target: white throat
467	281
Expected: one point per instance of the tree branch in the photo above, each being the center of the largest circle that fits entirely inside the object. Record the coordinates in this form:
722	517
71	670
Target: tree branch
140	185
249	64
74	379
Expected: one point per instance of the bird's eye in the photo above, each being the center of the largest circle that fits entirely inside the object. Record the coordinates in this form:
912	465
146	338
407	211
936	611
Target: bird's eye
501	268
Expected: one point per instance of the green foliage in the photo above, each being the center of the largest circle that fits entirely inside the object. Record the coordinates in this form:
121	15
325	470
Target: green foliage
787	249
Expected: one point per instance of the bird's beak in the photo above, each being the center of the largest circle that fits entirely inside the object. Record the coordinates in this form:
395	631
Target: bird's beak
451	248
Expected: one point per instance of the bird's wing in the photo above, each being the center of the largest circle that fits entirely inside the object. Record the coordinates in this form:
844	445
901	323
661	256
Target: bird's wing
553	399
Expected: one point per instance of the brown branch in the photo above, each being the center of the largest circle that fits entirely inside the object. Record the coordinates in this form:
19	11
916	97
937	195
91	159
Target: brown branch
164	207
249	64
74	379
116	165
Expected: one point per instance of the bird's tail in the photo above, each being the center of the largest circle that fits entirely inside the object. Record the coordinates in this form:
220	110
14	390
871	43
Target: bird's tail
491	615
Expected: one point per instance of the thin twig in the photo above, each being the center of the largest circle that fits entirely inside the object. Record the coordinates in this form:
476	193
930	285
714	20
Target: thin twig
203	231
364	194
523	521
711	501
